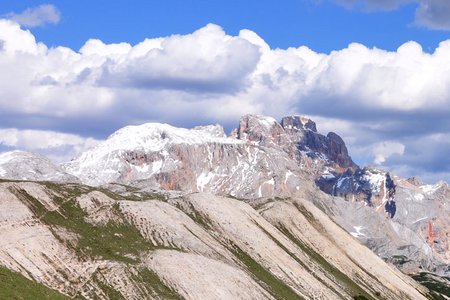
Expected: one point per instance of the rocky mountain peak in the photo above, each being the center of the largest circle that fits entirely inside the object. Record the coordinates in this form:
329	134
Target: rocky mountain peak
23	165
298	123
415	181
199	159
337	151
297	136
260	129
264	159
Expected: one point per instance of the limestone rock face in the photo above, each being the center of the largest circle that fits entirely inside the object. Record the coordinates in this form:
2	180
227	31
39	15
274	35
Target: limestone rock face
404	221
263	158
298	123
92	243
21	165
265	131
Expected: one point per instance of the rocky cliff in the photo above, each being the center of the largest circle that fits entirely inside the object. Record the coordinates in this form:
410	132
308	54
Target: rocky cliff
262	158
271	166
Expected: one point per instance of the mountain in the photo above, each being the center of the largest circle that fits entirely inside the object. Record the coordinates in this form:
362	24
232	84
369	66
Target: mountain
91	243
411	226
262	158
22	165
265	173
265	159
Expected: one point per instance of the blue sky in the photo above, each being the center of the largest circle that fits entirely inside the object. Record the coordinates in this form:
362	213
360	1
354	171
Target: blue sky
321	25
377	72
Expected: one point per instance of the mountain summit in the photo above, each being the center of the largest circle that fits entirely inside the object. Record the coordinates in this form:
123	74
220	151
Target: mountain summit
261	158
277	181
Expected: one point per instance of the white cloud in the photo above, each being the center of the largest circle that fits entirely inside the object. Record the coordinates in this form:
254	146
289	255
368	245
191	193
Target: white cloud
433	14
384	150
365	94
206	60
37	16
60	146
405	80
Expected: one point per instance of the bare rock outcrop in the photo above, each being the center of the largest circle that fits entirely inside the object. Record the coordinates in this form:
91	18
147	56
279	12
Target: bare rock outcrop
22	165
93	244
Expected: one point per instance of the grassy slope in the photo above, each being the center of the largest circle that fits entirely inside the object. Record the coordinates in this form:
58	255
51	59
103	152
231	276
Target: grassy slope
437	286
114	241
16	286
123	242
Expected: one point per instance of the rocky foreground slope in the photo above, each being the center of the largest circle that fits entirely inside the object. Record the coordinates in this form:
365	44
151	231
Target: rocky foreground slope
271	166
92	243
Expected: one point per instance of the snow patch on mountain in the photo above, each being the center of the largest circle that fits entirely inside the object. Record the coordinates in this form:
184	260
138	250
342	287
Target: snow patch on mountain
267	122
22	165
7	156
156	137
430	189
203	180
358	233
376	179
126	152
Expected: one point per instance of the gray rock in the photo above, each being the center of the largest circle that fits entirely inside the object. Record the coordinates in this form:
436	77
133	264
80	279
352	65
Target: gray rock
261	159
266	159
21	165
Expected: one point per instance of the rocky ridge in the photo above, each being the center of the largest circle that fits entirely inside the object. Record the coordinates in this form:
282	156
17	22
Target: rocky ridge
22	165
94	244
404	221
260	159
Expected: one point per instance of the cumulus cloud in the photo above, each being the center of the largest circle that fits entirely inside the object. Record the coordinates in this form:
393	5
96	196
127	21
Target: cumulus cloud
59	146
433	14
37	16
206	60
384	150
367	95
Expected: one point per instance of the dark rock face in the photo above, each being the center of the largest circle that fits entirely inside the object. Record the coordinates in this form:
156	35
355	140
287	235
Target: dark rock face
299	123
337	151
295	135
390	208
374	187
351	185
332	146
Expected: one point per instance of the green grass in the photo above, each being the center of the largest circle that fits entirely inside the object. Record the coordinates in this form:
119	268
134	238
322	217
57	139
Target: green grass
113	241
310	217
334	273
198	217
276	287
109	291
133	194
157	286
437	288
16	286
116	241
293	256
